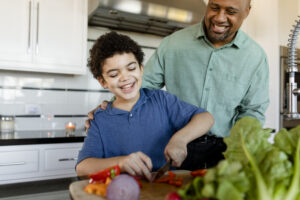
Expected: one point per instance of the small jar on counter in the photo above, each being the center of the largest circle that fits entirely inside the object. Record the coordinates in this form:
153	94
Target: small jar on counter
7	124
70	129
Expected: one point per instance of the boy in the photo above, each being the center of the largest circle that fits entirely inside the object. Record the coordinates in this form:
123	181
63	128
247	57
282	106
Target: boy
142	128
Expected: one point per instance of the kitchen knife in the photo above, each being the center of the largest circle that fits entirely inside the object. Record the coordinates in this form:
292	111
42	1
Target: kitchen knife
161	171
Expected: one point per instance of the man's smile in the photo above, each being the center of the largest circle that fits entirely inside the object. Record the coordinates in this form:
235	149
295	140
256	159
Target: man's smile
219	28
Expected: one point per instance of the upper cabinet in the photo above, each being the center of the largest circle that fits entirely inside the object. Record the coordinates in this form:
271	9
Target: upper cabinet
43	35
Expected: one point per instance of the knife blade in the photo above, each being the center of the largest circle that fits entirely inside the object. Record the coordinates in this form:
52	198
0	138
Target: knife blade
161	171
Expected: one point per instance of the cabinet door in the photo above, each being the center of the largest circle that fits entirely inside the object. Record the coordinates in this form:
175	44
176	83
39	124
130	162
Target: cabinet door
18	162
59	159
60	35
15	32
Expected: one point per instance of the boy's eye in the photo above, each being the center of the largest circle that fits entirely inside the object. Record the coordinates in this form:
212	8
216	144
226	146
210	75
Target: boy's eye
132	68
112	75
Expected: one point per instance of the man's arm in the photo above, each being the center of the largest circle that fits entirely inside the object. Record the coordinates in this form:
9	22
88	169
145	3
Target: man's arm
176	149
154	77
256	100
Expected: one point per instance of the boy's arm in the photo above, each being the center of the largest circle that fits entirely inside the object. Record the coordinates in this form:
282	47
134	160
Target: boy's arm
176	149
134	164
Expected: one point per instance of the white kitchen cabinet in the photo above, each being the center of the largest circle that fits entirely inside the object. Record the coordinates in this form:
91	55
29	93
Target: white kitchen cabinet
17	162
23	163
61	158
43	35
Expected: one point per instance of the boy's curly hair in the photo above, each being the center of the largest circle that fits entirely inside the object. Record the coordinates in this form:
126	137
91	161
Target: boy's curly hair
107	46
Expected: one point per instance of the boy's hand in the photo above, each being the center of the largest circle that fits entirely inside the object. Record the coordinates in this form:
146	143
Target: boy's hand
137	164
176	151
103	106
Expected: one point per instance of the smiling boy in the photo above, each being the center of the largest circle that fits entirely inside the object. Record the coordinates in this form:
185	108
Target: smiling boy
142	128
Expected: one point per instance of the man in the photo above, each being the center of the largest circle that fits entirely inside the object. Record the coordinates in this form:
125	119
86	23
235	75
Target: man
216	66
220	69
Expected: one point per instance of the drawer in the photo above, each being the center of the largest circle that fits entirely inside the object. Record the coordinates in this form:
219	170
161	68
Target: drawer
56	159
15	162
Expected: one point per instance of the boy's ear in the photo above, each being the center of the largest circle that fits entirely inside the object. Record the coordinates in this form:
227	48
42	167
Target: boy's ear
102	82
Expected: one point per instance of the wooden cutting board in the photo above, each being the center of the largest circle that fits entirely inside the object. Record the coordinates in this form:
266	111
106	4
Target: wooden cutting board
149	191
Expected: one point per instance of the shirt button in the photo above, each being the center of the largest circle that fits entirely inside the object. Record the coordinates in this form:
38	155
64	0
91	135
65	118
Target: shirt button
130	115
210	69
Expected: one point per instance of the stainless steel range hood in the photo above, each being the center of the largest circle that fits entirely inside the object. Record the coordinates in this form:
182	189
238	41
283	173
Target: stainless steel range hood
159	17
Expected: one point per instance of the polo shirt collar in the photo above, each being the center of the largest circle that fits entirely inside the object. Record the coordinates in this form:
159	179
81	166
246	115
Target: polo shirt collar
237	41
115	111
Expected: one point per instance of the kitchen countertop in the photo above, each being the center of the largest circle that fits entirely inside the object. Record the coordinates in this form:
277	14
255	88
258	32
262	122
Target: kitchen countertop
40	137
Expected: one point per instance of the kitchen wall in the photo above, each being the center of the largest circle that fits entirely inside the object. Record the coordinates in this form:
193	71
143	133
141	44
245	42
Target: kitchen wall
44	101
288	12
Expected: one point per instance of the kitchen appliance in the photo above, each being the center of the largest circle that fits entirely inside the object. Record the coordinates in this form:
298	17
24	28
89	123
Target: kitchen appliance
289	80
284	81
146	16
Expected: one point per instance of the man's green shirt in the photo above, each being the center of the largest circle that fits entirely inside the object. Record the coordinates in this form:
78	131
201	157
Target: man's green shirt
230	82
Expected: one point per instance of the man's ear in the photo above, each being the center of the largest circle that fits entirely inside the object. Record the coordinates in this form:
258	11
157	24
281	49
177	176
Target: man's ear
102	82
248	10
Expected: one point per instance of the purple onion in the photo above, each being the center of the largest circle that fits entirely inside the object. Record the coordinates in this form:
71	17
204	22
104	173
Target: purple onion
123	187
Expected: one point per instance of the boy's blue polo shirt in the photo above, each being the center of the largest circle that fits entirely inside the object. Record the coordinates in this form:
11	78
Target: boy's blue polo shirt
155	117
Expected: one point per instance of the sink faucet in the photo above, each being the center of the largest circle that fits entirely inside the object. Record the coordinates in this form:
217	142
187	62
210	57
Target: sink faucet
293	91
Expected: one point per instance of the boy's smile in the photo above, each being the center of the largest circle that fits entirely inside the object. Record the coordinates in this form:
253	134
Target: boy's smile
122	75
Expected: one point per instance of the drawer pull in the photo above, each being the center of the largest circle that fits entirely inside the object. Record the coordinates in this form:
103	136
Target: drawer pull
11	164
66	159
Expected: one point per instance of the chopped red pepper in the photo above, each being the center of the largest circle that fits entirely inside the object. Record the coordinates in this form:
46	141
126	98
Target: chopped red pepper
170	179
199	172
102	175
138	180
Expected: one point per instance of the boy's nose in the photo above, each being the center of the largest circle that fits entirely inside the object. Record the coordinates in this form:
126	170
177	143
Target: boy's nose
124	76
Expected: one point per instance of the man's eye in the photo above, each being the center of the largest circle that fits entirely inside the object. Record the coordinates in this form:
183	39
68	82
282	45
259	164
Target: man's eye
214	8
231	12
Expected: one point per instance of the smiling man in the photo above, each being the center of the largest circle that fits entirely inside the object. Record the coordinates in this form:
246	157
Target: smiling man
216	66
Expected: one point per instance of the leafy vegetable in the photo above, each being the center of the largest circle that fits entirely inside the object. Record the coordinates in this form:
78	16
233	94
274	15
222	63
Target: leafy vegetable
253	169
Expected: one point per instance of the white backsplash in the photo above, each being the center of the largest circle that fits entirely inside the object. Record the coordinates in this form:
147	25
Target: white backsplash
43	101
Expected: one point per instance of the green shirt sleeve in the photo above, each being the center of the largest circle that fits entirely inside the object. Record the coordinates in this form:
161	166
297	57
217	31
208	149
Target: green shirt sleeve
256	100
153	77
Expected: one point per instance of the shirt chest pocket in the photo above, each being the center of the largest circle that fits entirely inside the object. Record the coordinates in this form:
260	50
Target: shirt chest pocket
231	89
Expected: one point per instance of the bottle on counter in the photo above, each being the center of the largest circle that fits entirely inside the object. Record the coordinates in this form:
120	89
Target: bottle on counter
7	124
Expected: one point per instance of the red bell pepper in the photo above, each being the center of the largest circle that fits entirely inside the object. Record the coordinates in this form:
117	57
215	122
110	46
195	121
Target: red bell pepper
138	180
101	176
199	172
170	179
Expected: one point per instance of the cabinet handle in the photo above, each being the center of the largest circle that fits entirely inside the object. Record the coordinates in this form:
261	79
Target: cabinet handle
66	159
11	164
29	28
37	27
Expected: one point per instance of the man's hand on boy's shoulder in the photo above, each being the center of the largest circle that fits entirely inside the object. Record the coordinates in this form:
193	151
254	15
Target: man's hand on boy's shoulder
103	106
